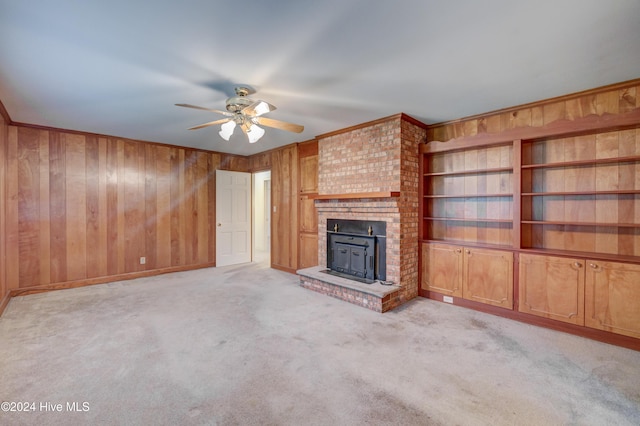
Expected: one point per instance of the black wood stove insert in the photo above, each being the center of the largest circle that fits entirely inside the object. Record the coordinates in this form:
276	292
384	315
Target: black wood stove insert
356	249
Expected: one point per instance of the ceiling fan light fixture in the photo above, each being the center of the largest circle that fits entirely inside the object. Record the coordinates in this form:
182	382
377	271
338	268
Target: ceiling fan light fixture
262	108
226	130
254	133
246	113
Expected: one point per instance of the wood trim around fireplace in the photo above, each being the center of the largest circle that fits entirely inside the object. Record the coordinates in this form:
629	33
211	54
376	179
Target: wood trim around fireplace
356	196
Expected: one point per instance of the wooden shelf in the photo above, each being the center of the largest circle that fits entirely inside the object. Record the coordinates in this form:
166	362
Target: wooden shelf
593	162
585	224
583	254
457	219
472	172
463	243
471	196
578	193
356	196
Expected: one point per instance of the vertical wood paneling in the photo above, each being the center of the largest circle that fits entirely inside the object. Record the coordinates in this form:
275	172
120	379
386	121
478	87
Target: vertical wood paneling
45	224
76	206
133	207
121	207
11	210
3	203
617	99
189	205
182	204
233	163
213	163
284	238
174	191
202	208
57	208
163	207
101	248
79	206
628	99
141	224
537	116
260	162
93	207
151	207
28	207
608	102
112	206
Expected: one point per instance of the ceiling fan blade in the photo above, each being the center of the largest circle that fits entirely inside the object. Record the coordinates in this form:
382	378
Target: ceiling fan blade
211	123
269	122
258	108
205	109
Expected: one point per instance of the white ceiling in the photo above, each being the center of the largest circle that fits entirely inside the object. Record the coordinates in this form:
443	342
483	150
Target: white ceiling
117	67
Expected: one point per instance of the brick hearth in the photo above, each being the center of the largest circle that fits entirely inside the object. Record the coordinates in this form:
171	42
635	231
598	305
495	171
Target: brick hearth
377	297
378	158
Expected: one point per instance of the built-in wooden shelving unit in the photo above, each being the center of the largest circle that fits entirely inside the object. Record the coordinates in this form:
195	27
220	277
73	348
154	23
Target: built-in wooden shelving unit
555	220
581	194
468	195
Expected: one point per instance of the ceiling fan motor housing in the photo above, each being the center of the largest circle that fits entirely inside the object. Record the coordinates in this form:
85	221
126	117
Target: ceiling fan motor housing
240	101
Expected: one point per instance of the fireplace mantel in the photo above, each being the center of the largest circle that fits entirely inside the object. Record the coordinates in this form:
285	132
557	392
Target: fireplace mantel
356	196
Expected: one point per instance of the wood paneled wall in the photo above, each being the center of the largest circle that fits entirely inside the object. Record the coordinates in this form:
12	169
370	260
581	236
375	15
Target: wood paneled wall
616	99
4	290
284	201
84	208
260	162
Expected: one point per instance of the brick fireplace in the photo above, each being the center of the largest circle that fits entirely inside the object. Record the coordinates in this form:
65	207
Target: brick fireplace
371	172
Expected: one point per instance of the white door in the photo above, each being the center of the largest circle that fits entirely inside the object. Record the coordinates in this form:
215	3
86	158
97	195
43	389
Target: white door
233	217
267	210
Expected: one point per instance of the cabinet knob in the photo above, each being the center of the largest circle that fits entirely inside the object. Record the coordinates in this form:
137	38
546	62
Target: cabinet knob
468	251
458	250
577	265
593	266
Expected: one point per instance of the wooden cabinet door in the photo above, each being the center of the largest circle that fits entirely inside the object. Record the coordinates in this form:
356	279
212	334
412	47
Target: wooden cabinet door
308	250
552	287
612	297
309	174
488	277
308	214
442	269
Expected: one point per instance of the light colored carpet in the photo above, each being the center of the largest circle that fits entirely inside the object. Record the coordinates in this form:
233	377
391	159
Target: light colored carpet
246	345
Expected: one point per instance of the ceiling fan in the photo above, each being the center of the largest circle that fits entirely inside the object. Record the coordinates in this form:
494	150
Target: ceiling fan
246	113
